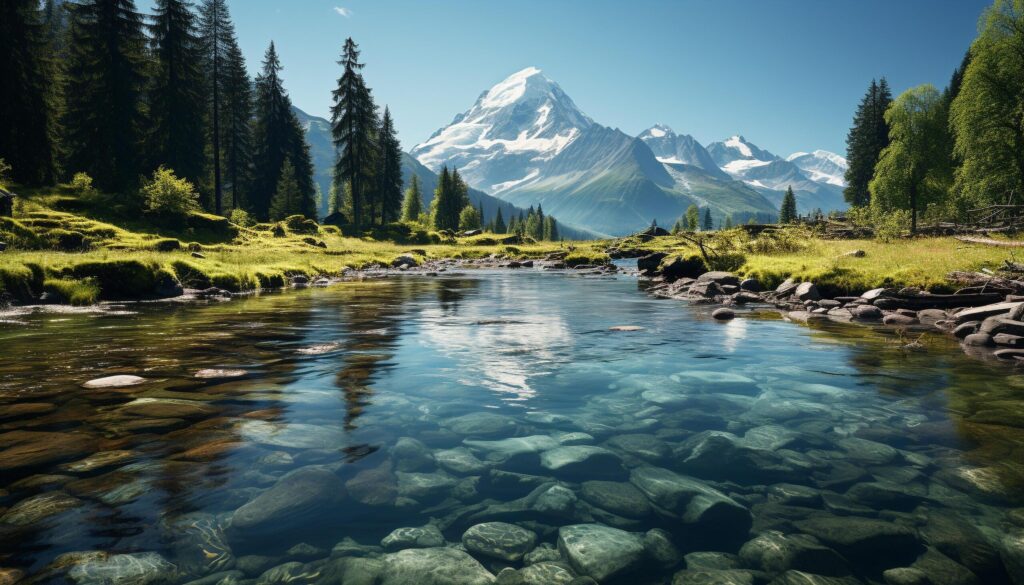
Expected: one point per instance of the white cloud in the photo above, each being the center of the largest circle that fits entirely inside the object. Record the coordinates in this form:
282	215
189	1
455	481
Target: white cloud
341	10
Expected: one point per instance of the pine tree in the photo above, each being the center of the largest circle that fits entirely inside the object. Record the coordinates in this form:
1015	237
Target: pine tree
237	114
728	222
217	36
499	222
103	117
27	140
709	224
679	226
787	212
446	203
868	136
513	226
412	206
277	137
287	198
55	27
550	229
177	102
353	125
389	170
692	218
483	218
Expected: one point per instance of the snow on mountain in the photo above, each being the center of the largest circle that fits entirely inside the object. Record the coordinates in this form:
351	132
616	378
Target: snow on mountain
821	166
511	130
737	148
672	148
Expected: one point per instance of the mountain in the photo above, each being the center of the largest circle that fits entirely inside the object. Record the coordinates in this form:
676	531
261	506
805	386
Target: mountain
321	147
816	178
525	141
672	148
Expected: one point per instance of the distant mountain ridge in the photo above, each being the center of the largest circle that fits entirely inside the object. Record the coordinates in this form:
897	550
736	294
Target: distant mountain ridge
525	141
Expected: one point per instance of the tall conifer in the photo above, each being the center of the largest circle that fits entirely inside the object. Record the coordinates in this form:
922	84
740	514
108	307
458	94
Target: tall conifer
389	170
868	136
354	125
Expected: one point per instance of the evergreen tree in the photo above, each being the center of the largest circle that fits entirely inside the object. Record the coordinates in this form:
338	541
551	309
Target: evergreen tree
27	124
540	223
412	206
987	114
787	211
915	169
679	226
692	218
728	222
551	229
533	228
389	170
513	226
217	38
868	136
499	222
354	125
55	27
236	115
177	103
708	222
103	117
277	137
287	198
483	218
447	203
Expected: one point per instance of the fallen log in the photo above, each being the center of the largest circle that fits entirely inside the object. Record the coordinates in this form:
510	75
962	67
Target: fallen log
991	242
918	303
985	281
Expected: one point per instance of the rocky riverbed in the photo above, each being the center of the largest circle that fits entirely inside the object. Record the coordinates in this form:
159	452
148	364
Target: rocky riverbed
480	429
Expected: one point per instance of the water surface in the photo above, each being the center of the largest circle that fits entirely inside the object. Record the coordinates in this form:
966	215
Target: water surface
403	392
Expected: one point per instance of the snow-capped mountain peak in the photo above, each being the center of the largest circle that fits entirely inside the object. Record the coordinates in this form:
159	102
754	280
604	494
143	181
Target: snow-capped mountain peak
518	123
821	166
657	131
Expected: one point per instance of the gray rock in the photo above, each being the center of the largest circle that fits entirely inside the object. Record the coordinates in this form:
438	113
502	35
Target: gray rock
775	552
36	509
647	447
200	545
802	578
120	381
1012	553
460	461
600	552
660	548
866	313
711	561
432	566
1007	340
868	452
619	498
579	461
713	577
942	570
719	277
752	285
864	540
147	568
898	320
695	502
499	540
411	455
984	312
287	573
481	424
875	293
424	486
717	382
301	496
997	325
794	495
374	487
352	571
418	537
546	573
508	449
543	553
964	329
806	291
554	501
905	576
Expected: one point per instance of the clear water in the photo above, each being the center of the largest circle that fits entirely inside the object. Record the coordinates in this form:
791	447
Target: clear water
335	377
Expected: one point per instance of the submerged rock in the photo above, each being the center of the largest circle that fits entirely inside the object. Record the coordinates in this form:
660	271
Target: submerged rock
302	496
119	381
693	501
499	540
148	568
582	461
422	537
432	566
774	552
599	551
374	487
864	540
34	510
620	498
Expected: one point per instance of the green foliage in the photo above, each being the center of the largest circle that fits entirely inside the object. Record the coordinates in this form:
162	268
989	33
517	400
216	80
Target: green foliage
166	194
787	211
987	114
915	169
81	185
727	261
450	197
118	279
388	196
868	136
581	258
5	173
354	126
892	224
286	200
469	218
412	205
241	218
71	291
499	223
692	218
707	224
299	224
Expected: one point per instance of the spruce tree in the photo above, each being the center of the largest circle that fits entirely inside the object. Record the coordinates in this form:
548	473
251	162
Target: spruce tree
237	114
287	199
353	125
499	222
868	136
389	170
217	37
787	211
445	200
177	102
27	140
299	156
103	117
412	206
728	222
708	224
692	218
273	133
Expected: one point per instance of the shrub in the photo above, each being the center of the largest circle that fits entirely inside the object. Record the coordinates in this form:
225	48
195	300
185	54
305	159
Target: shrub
167	245
167	194
728	262
300	225
241	217
68	241
212	224
118	279
5	173
892	224
81	185
75	292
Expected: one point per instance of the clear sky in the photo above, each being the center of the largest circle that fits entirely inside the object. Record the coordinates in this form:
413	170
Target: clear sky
787	74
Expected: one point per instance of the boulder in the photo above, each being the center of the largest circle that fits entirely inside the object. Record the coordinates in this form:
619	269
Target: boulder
582	461
866	313
787	288
646	447
720	278
679	267
660	548
751	285
460	461
1007	340
723	314
432	566
807	291
146	568
898	320
546	573
964	329
120	381
693	501
997	325
775	552
410	454
420	537
621	498
499	540
985	311
601	552
480	424
864	540
714	577
649	264
979	340
301	497
405	260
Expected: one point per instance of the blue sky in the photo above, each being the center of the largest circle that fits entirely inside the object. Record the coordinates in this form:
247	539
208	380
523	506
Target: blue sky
787	74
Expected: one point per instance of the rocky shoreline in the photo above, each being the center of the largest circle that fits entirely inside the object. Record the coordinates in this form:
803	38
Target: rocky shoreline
988	324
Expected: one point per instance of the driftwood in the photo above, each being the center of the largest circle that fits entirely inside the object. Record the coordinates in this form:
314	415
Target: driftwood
917	303
991	242
987	282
